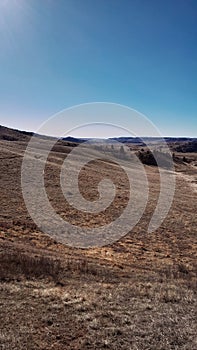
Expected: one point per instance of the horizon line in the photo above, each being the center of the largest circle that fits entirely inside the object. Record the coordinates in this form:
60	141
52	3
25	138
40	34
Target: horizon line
101	138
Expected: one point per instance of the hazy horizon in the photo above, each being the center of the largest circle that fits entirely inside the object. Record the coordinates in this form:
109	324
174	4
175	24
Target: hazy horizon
75	135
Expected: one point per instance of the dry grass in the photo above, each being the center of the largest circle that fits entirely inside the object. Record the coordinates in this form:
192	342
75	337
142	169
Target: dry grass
13	265
139	293
84	314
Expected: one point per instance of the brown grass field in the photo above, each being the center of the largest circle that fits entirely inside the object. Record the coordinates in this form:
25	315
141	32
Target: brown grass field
139	293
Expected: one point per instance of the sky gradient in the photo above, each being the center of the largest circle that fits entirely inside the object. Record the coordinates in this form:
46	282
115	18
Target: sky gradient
56	54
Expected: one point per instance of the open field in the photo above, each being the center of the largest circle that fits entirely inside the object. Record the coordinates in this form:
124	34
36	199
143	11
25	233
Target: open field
138	293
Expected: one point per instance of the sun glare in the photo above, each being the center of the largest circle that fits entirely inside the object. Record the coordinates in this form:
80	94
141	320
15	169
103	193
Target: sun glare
12	13
9	5
6	4
3	2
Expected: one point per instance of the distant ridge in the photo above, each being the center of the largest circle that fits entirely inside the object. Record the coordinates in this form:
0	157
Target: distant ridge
180	144
149	139
73	139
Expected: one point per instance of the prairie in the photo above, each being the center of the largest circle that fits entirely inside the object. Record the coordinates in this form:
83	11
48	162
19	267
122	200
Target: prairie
137	293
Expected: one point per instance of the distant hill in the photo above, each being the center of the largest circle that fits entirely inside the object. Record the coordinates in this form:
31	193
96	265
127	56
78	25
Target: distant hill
142	141
134	140
73	139
14	135
180	144
10	134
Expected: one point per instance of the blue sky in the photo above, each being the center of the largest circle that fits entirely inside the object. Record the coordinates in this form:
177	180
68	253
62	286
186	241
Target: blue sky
55	54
